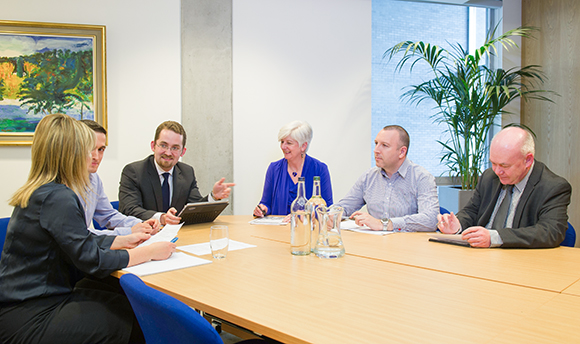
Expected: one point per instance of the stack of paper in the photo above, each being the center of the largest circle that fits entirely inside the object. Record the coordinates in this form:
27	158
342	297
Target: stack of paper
269	220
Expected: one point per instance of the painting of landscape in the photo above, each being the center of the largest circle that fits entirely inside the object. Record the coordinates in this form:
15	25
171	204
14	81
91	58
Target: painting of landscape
40	75
48	68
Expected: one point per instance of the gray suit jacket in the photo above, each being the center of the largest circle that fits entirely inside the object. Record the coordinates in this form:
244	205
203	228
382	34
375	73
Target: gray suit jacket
541	216
140	189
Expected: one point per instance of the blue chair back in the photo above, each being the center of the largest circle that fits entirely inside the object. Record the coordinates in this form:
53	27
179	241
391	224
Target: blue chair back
443	211
115	205
3	227
163	318
570	239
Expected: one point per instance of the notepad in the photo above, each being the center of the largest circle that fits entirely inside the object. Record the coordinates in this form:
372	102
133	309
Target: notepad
166	234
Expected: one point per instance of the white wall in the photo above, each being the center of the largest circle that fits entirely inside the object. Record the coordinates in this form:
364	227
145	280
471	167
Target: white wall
300	60
143	78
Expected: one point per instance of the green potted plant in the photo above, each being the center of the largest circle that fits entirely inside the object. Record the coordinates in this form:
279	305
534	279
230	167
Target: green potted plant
469	96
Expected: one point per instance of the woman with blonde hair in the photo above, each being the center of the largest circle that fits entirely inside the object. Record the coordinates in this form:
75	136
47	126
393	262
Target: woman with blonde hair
280	187
53	272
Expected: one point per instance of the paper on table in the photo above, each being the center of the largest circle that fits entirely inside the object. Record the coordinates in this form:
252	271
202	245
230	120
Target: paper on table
178	260
166	234
203	248
350	225
269	220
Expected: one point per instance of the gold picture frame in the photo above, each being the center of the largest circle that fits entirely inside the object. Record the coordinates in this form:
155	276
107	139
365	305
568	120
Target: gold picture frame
49	68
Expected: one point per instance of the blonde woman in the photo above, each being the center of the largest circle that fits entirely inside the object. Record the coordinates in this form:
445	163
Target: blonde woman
54	274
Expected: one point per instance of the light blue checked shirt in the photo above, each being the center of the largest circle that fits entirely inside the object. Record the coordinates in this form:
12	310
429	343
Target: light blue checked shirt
408	198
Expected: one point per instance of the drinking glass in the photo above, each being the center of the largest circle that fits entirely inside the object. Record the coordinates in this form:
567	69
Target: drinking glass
219	241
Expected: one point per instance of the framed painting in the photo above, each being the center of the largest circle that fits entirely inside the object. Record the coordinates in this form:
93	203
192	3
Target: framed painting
49	68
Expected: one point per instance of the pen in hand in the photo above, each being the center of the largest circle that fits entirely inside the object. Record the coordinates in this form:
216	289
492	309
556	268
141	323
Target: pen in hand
174	239
261	210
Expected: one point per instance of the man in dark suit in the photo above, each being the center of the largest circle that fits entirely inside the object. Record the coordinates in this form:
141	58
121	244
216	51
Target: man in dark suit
519	202
160	184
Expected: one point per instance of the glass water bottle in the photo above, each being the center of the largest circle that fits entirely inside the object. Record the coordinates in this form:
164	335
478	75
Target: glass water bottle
300	221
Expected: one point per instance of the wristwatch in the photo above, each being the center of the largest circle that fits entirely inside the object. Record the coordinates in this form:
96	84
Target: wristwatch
385	221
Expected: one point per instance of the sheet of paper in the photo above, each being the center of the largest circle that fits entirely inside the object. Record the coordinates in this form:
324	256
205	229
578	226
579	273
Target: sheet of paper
166	234
350	225
269	220
178	260
203	248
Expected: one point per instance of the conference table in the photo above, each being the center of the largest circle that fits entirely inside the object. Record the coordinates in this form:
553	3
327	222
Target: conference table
393	288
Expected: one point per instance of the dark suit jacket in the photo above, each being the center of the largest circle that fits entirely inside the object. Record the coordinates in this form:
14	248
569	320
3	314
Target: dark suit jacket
541	217
140	189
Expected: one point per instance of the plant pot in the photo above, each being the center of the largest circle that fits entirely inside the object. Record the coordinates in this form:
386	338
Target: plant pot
452	198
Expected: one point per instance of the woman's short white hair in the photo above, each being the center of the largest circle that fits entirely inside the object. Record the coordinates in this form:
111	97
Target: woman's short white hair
298	130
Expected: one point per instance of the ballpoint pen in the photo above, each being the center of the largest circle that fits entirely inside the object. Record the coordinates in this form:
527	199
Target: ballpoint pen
174	239
261	210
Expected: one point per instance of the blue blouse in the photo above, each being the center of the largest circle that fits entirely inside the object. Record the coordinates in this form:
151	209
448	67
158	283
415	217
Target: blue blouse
280	191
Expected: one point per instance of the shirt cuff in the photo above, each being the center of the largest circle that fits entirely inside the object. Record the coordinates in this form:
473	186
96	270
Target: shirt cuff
123	230
398	224
101	231
211	199
495	239
157	216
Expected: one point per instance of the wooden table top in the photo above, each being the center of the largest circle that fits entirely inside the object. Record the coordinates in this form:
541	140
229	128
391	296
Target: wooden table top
557	321
352	299
547	269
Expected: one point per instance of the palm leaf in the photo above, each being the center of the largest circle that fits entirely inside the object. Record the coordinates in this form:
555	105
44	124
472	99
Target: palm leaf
468	95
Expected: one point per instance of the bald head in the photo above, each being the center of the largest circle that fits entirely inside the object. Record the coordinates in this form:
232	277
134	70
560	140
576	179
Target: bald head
512	154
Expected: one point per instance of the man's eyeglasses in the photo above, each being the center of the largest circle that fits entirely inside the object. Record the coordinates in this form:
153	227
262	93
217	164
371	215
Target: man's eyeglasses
173	149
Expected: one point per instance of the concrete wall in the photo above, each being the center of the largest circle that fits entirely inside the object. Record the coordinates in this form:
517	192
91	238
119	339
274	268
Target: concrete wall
207	90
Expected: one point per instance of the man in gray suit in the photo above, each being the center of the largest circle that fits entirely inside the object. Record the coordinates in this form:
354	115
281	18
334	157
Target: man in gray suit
141	191
518	202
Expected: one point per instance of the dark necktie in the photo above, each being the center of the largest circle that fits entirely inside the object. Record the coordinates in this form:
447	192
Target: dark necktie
504	207
165	192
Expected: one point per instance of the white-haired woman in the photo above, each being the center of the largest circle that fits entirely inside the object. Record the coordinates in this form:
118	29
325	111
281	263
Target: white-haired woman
280	187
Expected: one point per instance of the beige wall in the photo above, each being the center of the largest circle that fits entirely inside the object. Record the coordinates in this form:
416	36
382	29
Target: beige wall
143	78
300	60
557	124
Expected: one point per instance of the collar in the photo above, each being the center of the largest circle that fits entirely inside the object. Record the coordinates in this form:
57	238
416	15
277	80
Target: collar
160	171
402	170
522	184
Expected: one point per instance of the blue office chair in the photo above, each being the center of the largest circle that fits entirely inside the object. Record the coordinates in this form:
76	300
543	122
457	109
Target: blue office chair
570	239
3	227
443	211
115	205
165	319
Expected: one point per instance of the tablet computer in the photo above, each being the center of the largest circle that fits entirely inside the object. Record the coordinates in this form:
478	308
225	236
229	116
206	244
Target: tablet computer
201	212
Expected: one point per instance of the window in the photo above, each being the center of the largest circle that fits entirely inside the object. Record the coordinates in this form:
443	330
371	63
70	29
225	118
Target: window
396	21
